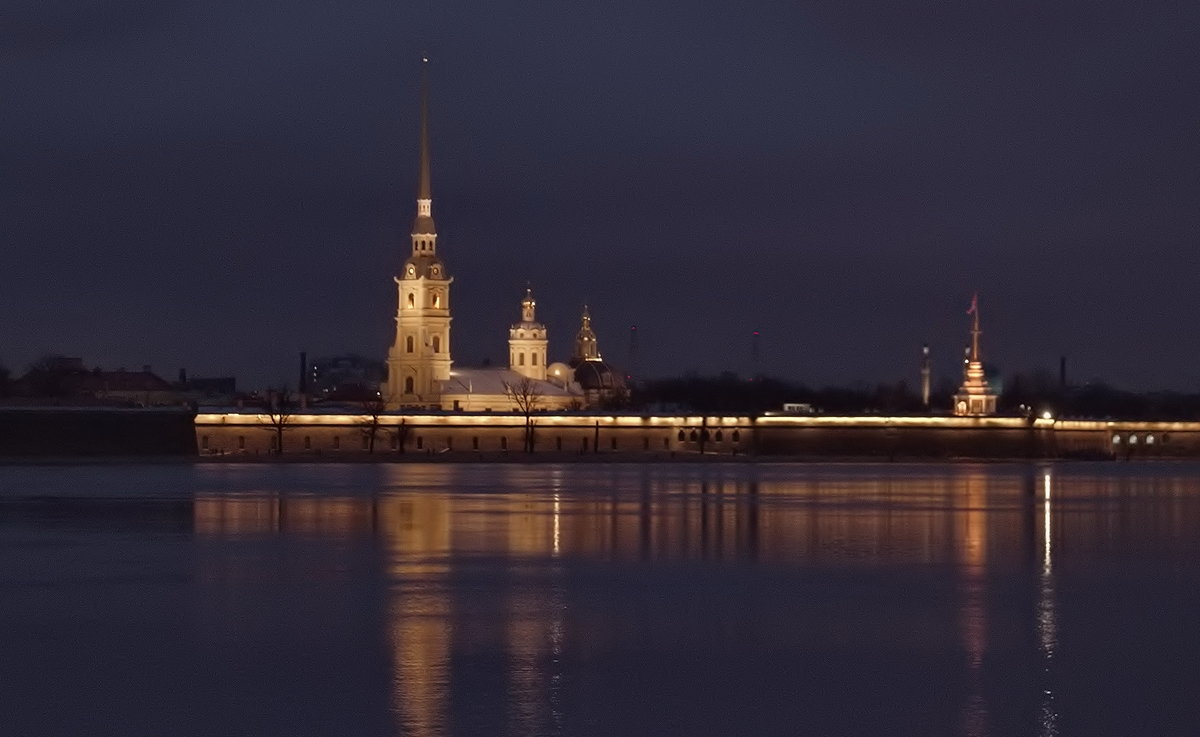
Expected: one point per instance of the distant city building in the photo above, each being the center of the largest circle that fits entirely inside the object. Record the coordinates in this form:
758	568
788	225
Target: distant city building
348	377
975	397
66	378
208	391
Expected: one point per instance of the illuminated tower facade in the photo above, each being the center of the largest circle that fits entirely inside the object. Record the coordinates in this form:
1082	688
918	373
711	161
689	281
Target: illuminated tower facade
586	348
527	342
974	397
419	359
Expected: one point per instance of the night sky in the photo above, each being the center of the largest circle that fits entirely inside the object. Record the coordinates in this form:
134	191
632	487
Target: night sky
220	185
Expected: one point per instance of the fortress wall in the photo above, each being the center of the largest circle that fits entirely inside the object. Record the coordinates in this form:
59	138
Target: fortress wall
818	436
485	433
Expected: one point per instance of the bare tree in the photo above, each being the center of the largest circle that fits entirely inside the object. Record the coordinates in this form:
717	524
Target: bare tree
279	409
399	434
527	396
370	425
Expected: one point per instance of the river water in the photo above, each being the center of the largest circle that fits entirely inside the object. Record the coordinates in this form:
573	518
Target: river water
711	599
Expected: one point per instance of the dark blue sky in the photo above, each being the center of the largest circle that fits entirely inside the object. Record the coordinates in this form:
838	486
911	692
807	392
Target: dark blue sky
219	185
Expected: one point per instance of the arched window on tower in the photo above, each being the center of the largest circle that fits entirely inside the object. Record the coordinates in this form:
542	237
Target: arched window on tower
437	344
412	300
408	385
408	344
437	299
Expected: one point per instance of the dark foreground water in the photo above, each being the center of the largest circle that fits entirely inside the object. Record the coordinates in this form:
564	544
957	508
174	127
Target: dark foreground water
600	600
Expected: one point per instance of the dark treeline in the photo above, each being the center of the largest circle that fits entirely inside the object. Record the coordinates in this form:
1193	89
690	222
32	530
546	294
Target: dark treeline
729	393
1022	395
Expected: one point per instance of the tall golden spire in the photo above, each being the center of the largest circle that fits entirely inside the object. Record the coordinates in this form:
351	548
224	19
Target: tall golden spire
975	331
423	224
424	190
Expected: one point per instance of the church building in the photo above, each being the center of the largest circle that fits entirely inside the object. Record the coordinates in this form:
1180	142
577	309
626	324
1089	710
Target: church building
420	369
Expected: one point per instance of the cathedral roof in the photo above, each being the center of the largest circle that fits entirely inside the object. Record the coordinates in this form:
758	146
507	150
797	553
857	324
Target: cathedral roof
598	375
527	325
494	381
423	267
423	225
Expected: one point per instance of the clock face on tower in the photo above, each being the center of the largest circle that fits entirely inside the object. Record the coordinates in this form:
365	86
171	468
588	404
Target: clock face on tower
412	270
434	271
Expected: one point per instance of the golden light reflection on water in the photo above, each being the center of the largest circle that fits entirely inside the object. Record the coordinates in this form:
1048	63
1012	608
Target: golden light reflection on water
969	520
972	547
1047	624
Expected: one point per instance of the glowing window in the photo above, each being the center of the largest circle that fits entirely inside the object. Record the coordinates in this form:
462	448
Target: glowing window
1133	439
437	299
1149	440
1116	439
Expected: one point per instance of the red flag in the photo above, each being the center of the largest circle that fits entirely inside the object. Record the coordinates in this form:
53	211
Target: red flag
974	304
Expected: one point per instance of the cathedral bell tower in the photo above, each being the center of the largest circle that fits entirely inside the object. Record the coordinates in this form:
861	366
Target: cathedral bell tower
527	342
419	359
586	348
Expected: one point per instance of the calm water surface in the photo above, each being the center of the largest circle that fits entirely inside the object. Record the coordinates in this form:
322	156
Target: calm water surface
600	600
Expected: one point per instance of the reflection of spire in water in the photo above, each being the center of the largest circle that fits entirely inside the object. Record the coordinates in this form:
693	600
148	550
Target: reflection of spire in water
420	629
415	532
1047	624
535	635
557	527
973	587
